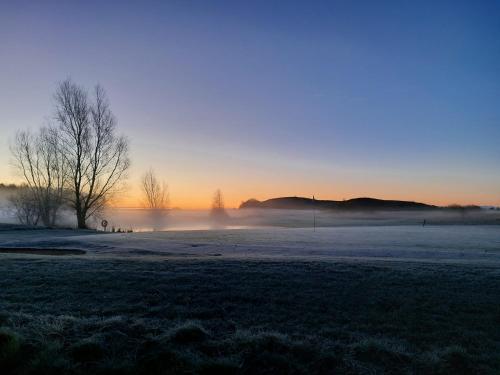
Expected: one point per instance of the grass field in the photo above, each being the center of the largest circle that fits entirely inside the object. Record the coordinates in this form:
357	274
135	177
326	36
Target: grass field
221	316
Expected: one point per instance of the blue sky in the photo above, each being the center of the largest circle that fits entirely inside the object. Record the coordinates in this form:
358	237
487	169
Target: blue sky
392	99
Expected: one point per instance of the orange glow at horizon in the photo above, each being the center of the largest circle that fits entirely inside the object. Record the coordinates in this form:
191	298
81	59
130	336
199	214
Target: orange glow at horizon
201	198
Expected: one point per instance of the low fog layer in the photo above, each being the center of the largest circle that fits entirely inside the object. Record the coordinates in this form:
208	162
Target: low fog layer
141	220
159	220
150	220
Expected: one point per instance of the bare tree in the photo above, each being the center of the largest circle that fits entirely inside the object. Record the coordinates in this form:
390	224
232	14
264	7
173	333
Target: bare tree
218	201
96	157
155	192
39	159
25	206
218	209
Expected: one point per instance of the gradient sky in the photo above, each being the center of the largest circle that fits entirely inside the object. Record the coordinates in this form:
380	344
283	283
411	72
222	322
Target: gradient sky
389	99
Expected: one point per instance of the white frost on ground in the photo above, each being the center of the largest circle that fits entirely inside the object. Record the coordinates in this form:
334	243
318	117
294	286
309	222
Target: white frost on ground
470	244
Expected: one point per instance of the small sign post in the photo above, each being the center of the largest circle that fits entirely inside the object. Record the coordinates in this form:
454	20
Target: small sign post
104	224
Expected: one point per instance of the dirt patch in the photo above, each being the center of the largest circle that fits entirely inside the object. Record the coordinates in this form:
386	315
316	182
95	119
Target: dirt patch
38	251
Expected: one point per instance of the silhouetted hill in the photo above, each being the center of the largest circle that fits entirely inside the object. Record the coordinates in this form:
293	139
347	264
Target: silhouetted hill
300	203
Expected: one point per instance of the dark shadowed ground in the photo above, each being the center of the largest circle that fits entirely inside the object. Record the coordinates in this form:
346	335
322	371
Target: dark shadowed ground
222	316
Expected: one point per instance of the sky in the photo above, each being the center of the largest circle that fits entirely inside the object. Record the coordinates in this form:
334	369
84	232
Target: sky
337	99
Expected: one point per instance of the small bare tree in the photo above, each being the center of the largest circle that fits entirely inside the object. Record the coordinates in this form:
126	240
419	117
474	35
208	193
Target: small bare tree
25	206
218	201
97	158
39	159
218	209
155	192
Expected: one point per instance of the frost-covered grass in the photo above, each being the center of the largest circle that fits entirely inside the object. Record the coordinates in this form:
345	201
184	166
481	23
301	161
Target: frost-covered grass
450	243
223	316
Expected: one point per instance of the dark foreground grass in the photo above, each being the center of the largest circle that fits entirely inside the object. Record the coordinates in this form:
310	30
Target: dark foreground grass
219	316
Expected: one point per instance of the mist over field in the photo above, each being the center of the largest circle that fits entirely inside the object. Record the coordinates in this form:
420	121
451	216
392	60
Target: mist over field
144	220
139	220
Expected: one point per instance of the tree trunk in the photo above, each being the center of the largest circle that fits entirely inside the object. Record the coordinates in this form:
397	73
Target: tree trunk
80	217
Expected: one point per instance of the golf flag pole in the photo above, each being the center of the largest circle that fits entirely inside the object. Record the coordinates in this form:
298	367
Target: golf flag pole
314	214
